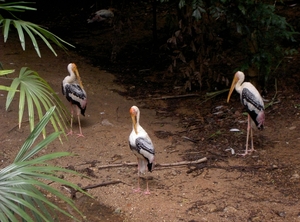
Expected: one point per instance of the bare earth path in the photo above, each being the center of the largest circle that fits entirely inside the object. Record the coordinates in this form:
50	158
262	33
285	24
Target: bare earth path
263	186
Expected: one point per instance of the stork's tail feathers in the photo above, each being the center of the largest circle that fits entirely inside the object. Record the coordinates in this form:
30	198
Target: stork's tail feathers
258	118
150	166
83	111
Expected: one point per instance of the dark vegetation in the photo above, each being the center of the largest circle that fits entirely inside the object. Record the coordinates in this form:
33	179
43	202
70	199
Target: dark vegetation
184	53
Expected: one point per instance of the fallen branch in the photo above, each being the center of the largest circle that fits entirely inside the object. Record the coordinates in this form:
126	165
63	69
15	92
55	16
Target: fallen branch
177	96
100	185
156	165
117	165
189	139
181	163
73	192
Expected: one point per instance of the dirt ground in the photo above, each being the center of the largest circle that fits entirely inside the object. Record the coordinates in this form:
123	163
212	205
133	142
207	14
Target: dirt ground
263	186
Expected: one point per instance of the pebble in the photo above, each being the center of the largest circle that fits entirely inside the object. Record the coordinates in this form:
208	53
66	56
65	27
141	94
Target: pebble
210	208
118	210
295	176
105	122
230	209
281	214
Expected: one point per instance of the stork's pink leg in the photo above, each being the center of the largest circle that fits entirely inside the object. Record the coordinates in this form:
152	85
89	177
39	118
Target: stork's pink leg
147	191
71	131
247	140
138	189
78	116
252	146
80	131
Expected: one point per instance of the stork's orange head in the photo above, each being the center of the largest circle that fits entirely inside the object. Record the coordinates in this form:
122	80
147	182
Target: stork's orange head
134	113
237	76
73	68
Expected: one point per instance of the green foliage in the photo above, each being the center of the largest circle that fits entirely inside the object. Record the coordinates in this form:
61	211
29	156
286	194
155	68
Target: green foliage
22	182
2	73
38	96
33	90
211	35
31	29
261	31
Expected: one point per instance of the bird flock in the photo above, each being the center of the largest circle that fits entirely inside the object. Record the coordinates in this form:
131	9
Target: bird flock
140	143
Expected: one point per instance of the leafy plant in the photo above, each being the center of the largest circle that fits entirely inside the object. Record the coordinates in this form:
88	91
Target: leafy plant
27	27
23	181
212	34
38	95
33	90
2	73
262	32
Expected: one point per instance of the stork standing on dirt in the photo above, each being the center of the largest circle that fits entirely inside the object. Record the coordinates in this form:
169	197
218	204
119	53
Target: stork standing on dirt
252	101
141	145
72	88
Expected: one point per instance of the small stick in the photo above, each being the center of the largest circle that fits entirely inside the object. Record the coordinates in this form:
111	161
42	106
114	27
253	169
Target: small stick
100	185
156	165
181	163
189	139
73	192
177	96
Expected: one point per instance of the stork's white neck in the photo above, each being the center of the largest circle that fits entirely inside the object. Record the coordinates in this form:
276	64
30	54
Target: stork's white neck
72	77
241	78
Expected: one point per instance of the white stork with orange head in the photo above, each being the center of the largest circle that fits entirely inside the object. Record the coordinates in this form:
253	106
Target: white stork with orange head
141	145
252	101
72	88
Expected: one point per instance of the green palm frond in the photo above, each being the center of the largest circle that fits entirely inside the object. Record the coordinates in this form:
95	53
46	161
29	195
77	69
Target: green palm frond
2	73
39	97
5	72
22	182
32	30
16	6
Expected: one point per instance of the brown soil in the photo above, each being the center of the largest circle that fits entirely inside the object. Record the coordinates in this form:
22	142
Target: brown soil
263	186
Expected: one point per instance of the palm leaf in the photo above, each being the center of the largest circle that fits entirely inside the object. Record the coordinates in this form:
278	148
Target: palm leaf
16	6
33	30
22	181
5	72
39	96
30	28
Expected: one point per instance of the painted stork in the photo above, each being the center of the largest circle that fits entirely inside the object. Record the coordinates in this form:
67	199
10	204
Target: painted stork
141	145
252	101
101	15
72	88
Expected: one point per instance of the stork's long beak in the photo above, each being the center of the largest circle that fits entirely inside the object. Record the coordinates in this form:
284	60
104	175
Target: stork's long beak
134	120
234	81
78	76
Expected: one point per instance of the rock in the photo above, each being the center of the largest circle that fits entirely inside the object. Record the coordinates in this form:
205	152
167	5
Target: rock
118	210
105	122
295	176
210	208
230	209
281	213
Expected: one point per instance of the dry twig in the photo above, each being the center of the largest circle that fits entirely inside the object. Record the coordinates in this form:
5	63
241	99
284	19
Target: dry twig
73	192
156	165
177	96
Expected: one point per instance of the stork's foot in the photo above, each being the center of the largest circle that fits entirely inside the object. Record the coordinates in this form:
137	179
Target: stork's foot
147	192
243	154
80	135
247	152
70	133
137	190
